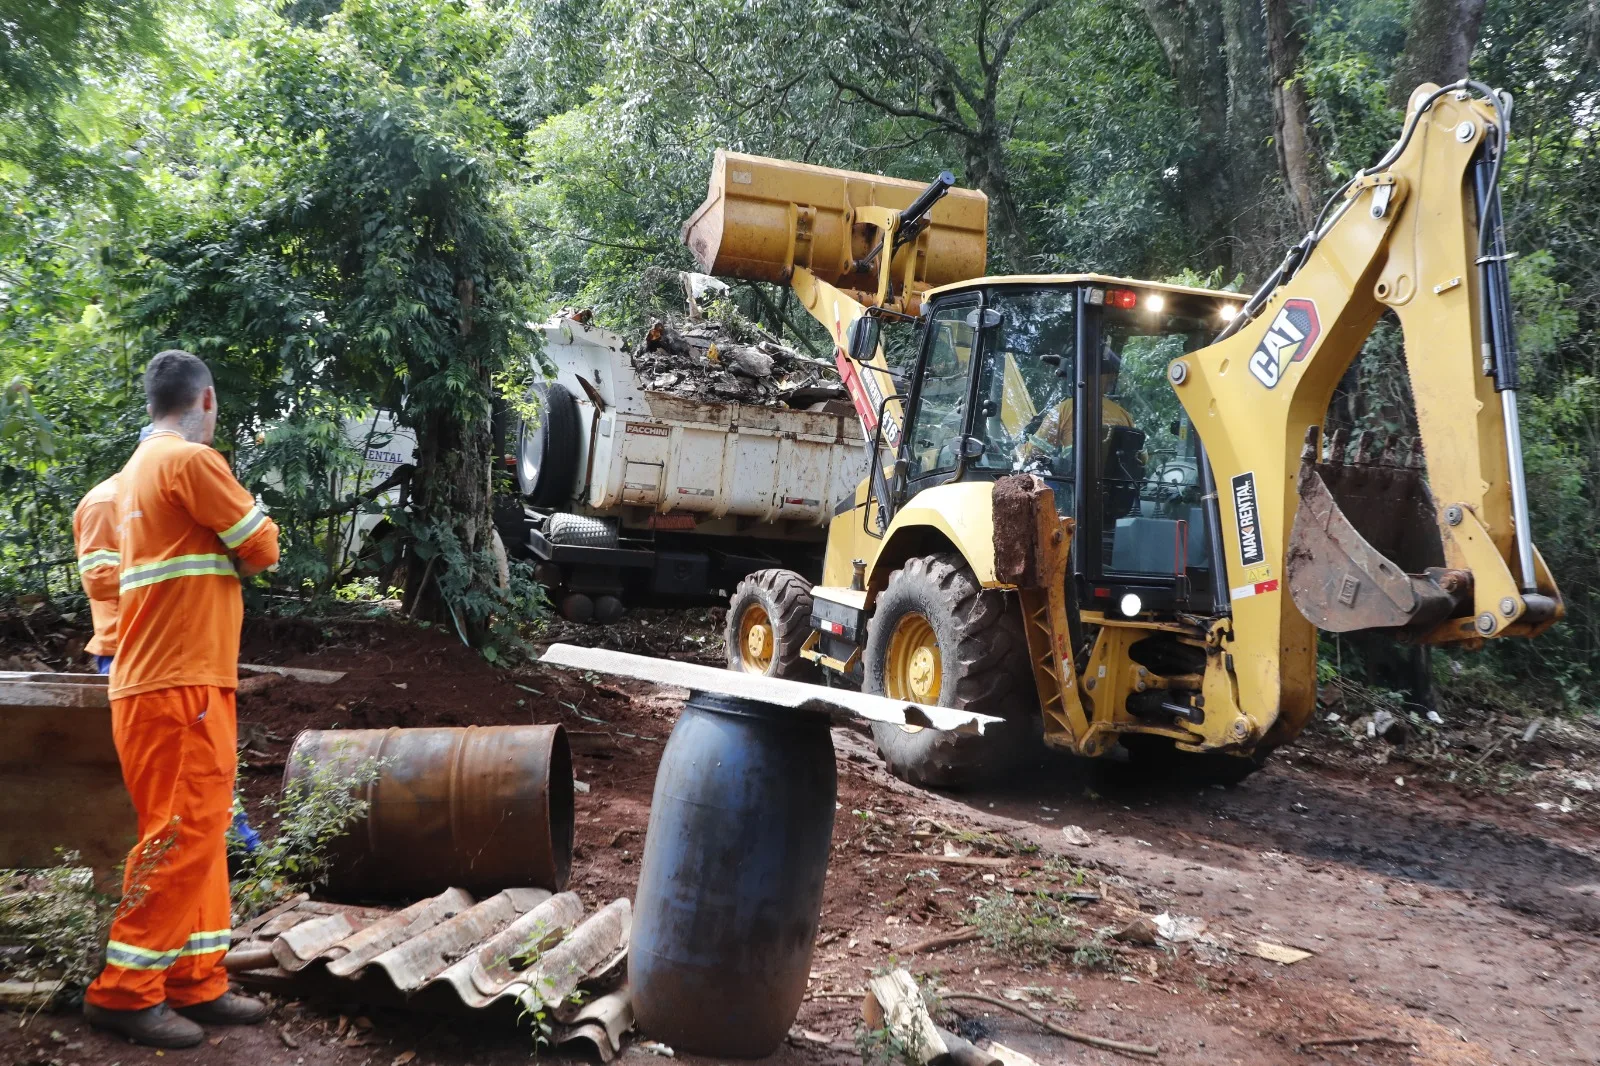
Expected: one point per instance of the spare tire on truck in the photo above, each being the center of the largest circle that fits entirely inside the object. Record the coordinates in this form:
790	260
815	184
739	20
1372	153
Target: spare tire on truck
547	449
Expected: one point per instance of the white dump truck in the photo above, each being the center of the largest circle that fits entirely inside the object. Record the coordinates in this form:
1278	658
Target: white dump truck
637	495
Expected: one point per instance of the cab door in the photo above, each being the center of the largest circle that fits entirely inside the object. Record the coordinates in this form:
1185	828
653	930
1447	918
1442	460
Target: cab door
1143	527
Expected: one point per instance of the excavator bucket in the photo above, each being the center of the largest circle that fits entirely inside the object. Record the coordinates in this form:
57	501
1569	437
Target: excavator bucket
764	217
1364	550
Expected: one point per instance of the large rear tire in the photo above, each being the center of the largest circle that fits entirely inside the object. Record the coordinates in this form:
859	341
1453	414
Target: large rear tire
547	451
939	637
769	618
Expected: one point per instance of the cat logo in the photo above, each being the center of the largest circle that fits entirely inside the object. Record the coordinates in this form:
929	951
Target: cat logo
1289	339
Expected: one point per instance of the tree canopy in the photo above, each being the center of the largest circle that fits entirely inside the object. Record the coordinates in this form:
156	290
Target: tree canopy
342	205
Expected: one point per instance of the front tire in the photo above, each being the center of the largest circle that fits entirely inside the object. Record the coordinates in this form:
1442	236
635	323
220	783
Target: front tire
769	618
938	637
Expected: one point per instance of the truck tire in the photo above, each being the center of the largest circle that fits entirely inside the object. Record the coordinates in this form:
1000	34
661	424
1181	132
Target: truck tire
547	452
938	637
581	531
769	618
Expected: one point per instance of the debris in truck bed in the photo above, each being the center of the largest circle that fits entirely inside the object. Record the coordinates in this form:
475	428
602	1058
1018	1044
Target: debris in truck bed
718	362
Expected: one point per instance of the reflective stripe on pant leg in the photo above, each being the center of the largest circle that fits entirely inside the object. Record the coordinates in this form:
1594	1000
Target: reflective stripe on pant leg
178	765
198	976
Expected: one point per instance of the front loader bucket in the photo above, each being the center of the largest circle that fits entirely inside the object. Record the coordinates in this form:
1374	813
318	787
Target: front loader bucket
764	217
1364	551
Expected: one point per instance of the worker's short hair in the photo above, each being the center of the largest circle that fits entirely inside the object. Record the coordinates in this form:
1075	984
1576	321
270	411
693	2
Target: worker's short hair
173	381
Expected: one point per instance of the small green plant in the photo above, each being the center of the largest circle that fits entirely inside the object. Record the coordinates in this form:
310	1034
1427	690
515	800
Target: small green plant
1039	928
1093	953
884	1047
59	918
312	812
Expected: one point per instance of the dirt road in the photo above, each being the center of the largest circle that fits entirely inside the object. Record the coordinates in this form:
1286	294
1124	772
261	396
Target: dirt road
1481	919
1447	925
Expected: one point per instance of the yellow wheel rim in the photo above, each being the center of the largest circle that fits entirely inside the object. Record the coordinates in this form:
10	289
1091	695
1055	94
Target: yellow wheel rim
915	670
757	641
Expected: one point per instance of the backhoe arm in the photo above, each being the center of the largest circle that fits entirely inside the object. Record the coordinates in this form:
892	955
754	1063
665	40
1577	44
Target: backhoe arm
1430	543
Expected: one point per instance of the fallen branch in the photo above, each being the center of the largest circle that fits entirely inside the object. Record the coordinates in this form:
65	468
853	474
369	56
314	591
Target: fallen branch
1352	1041
938	943
1059	1030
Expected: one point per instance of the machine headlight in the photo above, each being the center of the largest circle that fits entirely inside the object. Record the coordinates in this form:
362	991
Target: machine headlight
1132	605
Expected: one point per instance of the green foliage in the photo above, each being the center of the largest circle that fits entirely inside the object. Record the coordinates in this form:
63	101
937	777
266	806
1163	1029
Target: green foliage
311	813
59	919
353	205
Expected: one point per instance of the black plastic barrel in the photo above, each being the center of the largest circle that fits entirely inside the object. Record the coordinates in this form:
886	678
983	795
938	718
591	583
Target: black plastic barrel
730	887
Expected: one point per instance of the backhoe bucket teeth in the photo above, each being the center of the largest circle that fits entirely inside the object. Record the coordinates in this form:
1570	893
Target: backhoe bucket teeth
1364	551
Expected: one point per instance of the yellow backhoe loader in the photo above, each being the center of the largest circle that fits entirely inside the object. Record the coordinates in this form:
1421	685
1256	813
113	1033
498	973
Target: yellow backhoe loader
1104	509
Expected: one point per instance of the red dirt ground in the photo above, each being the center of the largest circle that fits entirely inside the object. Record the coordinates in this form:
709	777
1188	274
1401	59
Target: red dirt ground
1462	934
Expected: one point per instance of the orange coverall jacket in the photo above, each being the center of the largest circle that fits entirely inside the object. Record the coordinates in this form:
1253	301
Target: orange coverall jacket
94	533
182	519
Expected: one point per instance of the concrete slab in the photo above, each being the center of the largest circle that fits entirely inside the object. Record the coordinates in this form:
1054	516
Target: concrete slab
837	703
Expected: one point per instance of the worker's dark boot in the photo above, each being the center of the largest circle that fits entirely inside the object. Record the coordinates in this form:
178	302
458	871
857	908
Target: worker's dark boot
230	1008
158	1026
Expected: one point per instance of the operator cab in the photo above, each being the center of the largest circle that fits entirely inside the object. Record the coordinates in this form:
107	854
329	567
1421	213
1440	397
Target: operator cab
1065	377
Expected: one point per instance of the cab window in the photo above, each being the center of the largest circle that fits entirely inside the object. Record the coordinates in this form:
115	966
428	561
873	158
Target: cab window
941	390
1150	495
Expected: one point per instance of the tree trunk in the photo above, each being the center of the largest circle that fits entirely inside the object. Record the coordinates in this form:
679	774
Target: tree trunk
1297	152
1192	38
1440	37
986	169
450	490
452	486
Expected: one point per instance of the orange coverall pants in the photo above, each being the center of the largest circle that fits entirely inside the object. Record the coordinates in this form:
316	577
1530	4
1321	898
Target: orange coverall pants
177	747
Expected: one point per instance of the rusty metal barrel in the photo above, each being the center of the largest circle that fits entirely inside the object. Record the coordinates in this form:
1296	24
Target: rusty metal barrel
482	808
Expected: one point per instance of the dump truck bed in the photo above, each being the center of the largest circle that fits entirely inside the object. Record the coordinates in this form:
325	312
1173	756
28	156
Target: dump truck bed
653	453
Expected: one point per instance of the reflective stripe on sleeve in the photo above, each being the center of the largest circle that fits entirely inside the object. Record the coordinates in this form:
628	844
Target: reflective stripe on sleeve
104	557
240	531
134	577
132	957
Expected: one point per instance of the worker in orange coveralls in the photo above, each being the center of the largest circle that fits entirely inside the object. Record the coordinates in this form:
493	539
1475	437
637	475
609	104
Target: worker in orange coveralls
187	532
94	532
